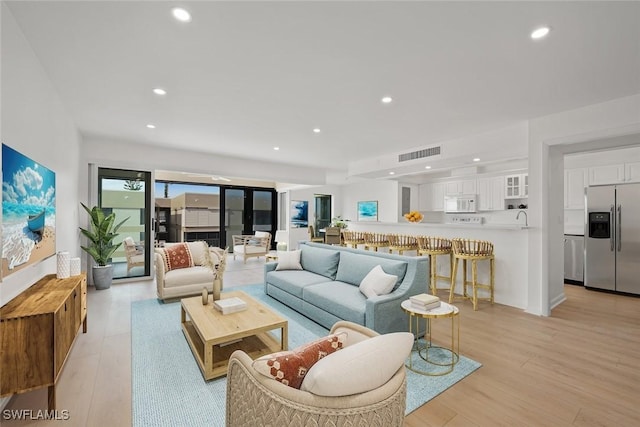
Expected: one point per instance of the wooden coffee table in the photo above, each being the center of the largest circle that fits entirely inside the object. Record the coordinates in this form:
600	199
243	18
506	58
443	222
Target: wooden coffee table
213	336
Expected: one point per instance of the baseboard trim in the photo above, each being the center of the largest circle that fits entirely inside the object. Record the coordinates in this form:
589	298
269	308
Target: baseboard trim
557	301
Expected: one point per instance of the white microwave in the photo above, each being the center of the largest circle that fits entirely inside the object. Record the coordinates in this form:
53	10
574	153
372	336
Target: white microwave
459	204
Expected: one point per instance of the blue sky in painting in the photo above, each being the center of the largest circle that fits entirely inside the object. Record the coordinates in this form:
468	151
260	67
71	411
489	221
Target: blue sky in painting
26	182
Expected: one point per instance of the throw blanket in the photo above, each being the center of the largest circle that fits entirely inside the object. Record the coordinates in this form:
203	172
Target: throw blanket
177	256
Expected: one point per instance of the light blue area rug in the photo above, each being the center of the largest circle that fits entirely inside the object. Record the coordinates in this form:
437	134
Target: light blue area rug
169	390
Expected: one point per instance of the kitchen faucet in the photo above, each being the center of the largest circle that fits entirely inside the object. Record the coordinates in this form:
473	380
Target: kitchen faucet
526	219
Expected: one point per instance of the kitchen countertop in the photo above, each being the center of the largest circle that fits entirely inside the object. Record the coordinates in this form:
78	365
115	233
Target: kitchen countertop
483	226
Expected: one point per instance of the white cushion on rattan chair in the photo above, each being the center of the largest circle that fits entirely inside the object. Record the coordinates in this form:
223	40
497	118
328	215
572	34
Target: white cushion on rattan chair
360	367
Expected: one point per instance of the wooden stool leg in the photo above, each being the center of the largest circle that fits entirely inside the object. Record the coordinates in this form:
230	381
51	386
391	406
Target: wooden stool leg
474	278
491	267
433	268
465	282
453	279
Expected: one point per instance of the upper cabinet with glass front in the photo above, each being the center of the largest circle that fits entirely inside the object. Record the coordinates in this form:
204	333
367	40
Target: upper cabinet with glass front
516	186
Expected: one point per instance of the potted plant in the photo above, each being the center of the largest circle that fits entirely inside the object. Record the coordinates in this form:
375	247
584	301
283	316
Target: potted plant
101	245
339	222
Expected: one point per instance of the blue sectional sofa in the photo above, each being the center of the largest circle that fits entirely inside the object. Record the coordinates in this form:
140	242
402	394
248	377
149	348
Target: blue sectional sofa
326	289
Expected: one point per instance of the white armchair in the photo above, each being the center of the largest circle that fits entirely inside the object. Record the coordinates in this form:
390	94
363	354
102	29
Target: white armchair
134	254
254	400
208	264
248	246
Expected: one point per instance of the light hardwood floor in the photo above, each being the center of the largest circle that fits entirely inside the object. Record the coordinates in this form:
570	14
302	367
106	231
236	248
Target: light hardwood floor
578	367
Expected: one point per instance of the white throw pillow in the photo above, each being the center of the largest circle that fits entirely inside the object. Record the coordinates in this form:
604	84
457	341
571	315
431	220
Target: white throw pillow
377	282
360	367
289	260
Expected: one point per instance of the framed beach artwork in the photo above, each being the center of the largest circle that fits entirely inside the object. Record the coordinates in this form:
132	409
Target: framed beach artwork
28	211
368	211
299	213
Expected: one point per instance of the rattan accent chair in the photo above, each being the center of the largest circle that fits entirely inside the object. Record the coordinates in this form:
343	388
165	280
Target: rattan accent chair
402	242
375	241
474	251
433	247
253	400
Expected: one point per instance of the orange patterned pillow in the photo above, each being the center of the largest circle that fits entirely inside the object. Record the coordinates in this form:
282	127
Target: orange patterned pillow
290	367
177	256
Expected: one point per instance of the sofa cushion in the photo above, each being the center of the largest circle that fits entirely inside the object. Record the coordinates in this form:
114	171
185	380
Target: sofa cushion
290	367
288	260
354	267
377	282
188	276
340	299
320	261
293	281
199	252
359	368
176	256
250	249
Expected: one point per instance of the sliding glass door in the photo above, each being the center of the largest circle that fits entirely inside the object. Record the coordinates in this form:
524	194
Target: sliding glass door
127	193
247	210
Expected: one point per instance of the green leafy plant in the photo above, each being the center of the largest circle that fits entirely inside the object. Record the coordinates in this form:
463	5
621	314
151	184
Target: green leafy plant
101	235
339	222
132	185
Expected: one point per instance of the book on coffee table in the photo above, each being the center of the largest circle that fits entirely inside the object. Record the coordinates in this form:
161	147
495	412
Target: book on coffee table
230	305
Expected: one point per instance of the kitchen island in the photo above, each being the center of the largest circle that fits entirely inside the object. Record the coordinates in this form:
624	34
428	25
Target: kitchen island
510	245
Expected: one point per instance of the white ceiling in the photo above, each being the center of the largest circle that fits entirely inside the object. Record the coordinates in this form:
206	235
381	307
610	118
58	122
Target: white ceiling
244	77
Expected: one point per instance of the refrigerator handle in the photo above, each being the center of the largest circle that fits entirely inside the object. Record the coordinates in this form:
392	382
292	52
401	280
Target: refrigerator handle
612	229
619	227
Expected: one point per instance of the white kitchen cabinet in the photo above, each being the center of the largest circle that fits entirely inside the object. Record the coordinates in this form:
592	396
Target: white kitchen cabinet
632	172
491	194
437	196
466	187
575	180
424	197
516	186
609	174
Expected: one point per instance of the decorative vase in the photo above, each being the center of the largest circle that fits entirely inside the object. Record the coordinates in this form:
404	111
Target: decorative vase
102	276
205	296
63	265
74	266
216	289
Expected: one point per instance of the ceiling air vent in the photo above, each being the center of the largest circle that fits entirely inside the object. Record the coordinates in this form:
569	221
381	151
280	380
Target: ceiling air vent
427	152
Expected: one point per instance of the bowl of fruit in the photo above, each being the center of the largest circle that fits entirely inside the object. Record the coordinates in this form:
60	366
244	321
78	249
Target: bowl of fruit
414	216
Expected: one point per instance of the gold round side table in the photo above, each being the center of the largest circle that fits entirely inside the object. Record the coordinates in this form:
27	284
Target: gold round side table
445	310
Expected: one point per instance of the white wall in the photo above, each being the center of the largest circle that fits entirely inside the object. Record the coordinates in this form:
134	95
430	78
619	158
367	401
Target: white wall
307	193
35	123
386	192
605	125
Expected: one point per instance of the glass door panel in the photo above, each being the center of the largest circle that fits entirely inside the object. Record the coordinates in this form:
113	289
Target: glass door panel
127	193
234	214
263	211
323	211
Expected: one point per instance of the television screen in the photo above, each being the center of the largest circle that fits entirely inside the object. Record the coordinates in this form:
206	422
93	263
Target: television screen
28	211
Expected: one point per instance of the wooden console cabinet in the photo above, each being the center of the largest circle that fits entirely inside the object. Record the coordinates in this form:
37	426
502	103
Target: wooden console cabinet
37	329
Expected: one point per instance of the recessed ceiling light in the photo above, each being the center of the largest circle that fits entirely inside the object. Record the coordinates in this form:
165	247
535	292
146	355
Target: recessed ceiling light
427	167
540	33
387	100
159	91
316	130
392	173
150	126
276	148
476	159
181	15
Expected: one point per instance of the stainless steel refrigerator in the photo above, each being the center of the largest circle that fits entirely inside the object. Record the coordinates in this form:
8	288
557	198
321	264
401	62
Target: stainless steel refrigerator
612	238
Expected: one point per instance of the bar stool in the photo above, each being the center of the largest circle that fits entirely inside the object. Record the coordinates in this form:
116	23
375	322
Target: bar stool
474	251
375	241
432	247
401	243
353	238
